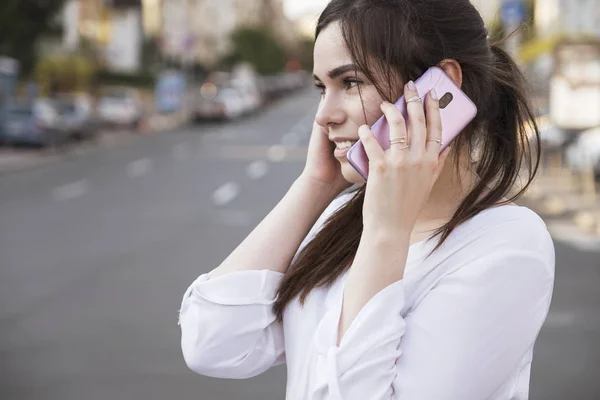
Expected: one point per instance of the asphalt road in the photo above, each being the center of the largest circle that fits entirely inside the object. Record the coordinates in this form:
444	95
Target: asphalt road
96	251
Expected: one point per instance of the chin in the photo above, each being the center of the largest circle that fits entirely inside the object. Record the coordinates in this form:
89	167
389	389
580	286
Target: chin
350	174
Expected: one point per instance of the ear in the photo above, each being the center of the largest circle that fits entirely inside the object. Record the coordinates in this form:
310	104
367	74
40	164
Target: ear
452	69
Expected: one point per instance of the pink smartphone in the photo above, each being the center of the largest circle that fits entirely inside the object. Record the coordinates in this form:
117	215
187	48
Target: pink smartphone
456	110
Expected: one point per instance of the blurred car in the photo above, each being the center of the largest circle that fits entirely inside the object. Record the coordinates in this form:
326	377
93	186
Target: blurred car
77	117
584	152
220	102
31	124
250	94
122	107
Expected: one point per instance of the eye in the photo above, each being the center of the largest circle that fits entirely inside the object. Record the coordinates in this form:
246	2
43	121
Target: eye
350	83
320	87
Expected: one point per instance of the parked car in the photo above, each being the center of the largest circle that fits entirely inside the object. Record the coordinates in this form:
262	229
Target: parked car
585	151
121	107
220	102
31	124
251	96
77	116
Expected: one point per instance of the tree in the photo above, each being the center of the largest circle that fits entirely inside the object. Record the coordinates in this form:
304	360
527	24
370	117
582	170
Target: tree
22	22
257	46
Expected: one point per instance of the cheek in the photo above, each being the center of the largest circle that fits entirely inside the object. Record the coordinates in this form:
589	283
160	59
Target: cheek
372	102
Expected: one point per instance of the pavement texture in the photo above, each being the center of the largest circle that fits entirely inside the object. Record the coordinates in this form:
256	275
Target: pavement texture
98	248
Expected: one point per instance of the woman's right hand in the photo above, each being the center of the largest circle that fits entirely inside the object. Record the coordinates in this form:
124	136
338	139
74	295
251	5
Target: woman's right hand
321	167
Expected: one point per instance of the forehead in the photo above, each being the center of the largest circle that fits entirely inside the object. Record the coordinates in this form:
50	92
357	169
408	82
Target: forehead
330	50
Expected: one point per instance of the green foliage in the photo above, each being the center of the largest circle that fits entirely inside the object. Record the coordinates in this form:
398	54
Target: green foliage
306	53
109	78
258	47
64	73
22	22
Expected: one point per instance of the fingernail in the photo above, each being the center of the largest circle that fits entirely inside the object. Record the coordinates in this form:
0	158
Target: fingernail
434	94
361	131
411	85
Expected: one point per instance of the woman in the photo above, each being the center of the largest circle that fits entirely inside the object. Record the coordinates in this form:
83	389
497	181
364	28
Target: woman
425	283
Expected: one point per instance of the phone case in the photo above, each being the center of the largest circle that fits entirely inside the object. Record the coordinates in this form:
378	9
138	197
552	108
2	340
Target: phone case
455	116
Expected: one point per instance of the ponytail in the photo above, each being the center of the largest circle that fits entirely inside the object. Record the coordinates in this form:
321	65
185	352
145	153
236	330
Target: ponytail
383	37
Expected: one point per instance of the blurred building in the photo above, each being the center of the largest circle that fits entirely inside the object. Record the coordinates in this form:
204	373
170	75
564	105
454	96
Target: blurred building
268	13
487	8
198	31
569	18
114	27
152	17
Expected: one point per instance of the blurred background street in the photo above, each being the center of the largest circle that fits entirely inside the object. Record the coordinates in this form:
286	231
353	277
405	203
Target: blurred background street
143	140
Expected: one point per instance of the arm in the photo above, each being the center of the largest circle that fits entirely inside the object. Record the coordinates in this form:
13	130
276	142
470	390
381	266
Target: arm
281	232
228	329
380	261
465	338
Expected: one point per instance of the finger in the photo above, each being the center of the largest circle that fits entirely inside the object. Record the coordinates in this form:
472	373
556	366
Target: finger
434	123
397	125
417	129
371	145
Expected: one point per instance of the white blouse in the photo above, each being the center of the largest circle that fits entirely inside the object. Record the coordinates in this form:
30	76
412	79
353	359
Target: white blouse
460	325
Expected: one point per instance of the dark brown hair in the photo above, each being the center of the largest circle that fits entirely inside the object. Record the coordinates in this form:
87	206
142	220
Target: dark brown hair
391	42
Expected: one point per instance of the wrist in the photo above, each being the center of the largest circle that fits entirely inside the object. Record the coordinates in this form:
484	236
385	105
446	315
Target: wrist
386	237
316	189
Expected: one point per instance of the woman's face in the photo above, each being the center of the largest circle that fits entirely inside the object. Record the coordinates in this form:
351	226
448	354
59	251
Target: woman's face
340	110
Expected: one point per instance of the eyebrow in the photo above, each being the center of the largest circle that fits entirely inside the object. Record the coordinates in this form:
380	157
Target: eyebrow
334	73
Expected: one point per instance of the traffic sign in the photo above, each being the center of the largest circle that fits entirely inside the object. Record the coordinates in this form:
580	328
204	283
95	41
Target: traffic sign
513	12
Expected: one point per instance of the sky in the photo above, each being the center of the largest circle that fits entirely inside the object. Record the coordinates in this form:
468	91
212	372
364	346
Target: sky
297	8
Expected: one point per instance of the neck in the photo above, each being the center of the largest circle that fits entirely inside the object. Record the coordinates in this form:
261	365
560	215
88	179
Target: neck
448	192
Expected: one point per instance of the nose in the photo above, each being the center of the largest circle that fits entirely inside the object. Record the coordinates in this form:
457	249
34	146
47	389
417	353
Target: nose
330	112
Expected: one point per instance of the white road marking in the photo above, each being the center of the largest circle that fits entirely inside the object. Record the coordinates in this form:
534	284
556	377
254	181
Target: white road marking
556	319
257	170
139	167
181	151
71	191
571	320
226	193
276	153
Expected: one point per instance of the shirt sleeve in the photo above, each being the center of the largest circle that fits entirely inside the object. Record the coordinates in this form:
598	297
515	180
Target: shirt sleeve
228	329
463	341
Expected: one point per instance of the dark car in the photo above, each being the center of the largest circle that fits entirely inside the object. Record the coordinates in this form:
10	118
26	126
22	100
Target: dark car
76	116
37	124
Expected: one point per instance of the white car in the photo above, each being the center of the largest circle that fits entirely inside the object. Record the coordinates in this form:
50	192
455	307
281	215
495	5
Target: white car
220	102
120	107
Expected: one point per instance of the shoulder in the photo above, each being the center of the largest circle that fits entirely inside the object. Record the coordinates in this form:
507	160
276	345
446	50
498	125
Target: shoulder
514	226
511	237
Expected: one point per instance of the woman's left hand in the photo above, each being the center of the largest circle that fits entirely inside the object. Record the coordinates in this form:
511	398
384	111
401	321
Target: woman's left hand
401	178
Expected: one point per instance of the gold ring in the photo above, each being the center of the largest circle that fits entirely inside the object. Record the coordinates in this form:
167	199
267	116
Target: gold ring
401	140
439	141
414	100
403	147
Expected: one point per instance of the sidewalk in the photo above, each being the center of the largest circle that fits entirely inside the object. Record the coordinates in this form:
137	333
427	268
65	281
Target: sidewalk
14	159
568	203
